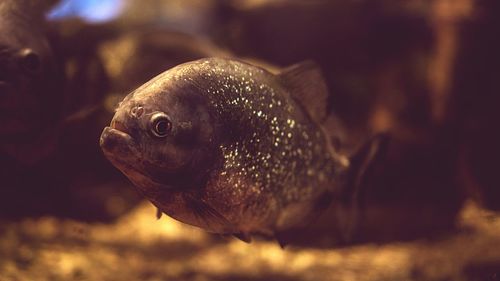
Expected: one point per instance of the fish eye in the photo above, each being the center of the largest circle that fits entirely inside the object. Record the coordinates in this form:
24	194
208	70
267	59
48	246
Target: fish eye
160	125
30	60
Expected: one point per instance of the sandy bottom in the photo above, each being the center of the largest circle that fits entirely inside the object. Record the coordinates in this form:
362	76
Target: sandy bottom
139	247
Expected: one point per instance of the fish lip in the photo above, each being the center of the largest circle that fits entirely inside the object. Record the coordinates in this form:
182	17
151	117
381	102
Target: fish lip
114	141
114	130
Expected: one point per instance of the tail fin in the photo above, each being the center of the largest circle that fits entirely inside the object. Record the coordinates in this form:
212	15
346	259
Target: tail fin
349	205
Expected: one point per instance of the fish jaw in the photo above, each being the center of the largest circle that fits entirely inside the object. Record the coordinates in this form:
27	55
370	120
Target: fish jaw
117	144
121	150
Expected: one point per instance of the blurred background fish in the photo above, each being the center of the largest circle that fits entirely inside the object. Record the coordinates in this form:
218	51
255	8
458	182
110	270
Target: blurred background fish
30	102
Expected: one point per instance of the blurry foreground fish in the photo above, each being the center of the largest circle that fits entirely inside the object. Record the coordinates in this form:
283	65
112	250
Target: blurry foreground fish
230	147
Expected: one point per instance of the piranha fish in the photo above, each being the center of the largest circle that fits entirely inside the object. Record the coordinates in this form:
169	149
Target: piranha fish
230	147
30	101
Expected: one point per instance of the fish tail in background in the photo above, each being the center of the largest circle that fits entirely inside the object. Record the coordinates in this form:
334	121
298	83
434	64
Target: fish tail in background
348	207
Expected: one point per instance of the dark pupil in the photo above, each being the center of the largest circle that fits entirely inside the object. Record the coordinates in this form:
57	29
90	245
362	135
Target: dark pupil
162	127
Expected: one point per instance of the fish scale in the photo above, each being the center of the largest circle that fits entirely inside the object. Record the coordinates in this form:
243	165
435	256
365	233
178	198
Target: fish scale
291	163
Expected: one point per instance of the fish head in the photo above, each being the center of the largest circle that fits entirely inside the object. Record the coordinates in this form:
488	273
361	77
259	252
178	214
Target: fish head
162	136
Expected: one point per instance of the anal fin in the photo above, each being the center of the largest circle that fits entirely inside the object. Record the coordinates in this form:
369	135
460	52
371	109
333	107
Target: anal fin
282	241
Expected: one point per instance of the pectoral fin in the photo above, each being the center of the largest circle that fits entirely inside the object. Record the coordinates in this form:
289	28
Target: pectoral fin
205	212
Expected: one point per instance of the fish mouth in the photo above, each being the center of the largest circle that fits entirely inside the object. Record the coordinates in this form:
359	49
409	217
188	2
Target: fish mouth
115	142
120	149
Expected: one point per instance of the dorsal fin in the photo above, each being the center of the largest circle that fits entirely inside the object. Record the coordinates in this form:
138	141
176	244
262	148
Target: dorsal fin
307	85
